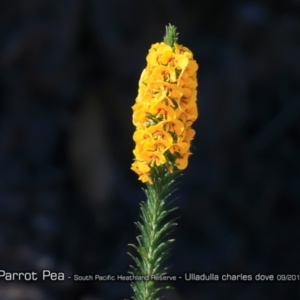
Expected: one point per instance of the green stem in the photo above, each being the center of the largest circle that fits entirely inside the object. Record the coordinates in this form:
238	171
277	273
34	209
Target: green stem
153	243
150	264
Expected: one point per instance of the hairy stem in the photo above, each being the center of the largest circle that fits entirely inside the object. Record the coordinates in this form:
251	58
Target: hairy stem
150	264
171	35
153	243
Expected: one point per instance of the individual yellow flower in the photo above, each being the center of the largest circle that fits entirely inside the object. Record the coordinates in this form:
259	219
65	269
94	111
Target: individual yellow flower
163	74
191	112
145	177
179	49
174	125
180	147
142	136
182	162
174	92
158	132
140	167
158	145
155	158
166	57
192	67
161	110
189	135
158	53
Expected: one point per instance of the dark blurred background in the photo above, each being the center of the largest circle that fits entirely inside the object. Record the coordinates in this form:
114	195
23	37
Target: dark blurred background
68	199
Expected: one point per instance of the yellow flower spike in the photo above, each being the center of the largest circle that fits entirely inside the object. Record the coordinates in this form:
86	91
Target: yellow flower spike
165	108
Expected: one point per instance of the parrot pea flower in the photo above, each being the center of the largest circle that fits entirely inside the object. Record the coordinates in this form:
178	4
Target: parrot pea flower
165	108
